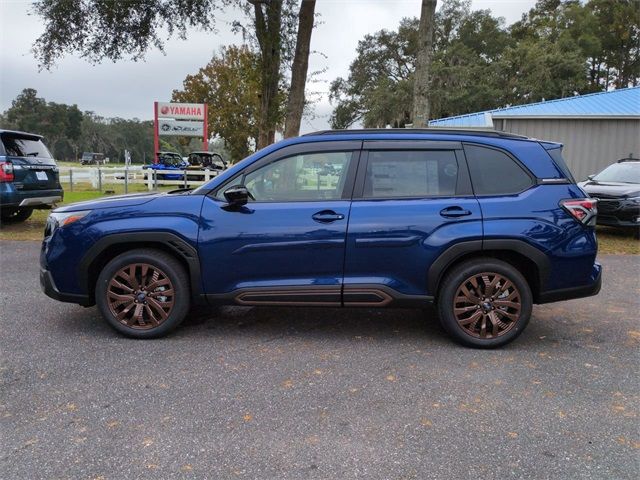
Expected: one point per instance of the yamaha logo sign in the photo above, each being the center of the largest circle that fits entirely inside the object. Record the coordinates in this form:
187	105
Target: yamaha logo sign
181	111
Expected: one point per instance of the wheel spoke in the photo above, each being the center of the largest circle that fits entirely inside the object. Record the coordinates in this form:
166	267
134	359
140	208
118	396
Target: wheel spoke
468	295
120	285
483	327
472	319
505	303
161	293
158	283
158	308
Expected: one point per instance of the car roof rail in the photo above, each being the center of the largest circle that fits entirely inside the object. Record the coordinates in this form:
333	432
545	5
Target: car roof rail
435	130
629	159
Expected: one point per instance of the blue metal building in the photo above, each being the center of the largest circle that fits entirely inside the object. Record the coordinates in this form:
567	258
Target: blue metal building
597	129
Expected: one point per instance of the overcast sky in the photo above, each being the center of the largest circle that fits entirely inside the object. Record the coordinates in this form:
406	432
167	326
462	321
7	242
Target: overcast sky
128	89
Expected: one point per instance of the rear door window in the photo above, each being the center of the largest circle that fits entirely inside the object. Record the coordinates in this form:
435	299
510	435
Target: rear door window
493	172
17	146
410	174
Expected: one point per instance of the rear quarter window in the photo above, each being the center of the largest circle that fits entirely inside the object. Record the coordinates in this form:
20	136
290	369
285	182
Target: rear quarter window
556	155
493	172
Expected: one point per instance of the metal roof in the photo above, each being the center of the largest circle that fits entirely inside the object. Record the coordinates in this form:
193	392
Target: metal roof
622	103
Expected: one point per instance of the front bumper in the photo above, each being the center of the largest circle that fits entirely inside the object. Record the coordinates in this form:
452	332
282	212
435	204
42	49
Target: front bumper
588	290
49	288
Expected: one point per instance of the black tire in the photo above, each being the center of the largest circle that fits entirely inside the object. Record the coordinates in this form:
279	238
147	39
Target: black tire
169	268
502	323
16	215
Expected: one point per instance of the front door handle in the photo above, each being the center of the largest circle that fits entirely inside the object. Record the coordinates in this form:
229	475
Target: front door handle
327	216
454	212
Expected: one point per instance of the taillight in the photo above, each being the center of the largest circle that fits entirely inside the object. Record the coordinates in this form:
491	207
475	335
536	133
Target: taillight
583	210
6	172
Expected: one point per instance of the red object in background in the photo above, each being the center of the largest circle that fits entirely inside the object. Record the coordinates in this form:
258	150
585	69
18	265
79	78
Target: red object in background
205	129
156	139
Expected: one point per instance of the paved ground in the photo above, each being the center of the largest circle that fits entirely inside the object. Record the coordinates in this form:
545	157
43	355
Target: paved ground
317	393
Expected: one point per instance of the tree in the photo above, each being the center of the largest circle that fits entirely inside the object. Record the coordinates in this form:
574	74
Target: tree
230	84
98	30
295	103
378	90
423	64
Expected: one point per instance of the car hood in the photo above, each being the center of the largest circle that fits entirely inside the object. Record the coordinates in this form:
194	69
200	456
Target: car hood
118	201
611	189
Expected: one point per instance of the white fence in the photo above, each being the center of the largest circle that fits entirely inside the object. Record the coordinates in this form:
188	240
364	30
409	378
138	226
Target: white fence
132	175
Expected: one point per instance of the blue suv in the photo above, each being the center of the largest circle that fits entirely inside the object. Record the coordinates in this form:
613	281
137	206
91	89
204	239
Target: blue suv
483	224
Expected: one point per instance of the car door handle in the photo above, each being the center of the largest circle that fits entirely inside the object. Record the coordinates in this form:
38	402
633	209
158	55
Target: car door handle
454	212
327	216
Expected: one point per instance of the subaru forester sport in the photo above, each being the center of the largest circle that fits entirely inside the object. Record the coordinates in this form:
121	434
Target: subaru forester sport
483	224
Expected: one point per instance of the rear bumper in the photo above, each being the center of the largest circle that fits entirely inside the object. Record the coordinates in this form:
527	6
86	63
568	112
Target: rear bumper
30	198
592	288
49	288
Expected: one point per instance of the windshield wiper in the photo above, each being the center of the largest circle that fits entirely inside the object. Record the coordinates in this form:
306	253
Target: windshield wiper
32	154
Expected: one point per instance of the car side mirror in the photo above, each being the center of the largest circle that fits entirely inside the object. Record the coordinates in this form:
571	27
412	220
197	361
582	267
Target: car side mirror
238	195
591	177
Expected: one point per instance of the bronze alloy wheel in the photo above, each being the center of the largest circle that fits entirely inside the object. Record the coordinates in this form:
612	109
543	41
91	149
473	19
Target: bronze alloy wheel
487	305
140	296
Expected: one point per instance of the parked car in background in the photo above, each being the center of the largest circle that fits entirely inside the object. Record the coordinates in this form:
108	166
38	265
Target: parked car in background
168	161
205	160
617	189
91	158
483	224
210	160
29	177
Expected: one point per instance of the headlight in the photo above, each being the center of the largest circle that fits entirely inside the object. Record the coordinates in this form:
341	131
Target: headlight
635	200
62	219
65	218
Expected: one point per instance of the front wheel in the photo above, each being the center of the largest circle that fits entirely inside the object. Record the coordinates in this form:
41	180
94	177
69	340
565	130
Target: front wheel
143	293
484	303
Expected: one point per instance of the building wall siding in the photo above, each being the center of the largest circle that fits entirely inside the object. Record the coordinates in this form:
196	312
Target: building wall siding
589	145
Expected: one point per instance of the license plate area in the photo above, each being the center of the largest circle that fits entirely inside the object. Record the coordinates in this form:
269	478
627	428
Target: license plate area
42	176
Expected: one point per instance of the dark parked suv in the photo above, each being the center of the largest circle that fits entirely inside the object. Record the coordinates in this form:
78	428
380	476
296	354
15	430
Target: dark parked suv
484	224
28	176
617	189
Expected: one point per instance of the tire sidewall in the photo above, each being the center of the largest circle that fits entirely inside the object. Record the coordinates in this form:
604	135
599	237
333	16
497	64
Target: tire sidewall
171	267
459	274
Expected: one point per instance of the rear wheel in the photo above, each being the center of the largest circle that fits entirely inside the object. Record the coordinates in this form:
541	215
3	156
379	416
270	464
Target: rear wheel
484	303
15	215
143	293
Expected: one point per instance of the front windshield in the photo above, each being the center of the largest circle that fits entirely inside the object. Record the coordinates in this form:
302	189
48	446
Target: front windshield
625	172
171	159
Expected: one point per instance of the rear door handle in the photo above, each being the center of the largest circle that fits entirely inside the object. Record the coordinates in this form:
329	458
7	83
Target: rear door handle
327	216
454	212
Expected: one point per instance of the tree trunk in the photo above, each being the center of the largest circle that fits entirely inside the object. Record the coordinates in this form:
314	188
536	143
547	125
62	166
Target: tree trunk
268	24
295	103
423	64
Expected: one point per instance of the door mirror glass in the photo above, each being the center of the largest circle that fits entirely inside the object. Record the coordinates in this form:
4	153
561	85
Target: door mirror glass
237	195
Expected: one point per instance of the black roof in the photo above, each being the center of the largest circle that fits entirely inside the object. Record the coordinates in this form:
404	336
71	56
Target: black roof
444	131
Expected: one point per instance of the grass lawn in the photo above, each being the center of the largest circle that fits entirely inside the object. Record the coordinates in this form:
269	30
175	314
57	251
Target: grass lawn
610	240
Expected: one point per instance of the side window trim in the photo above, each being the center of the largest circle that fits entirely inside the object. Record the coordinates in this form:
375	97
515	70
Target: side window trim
533	179
463	184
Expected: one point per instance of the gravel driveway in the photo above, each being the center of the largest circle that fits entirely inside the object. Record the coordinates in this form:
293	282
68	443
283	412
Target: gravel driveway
317	393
